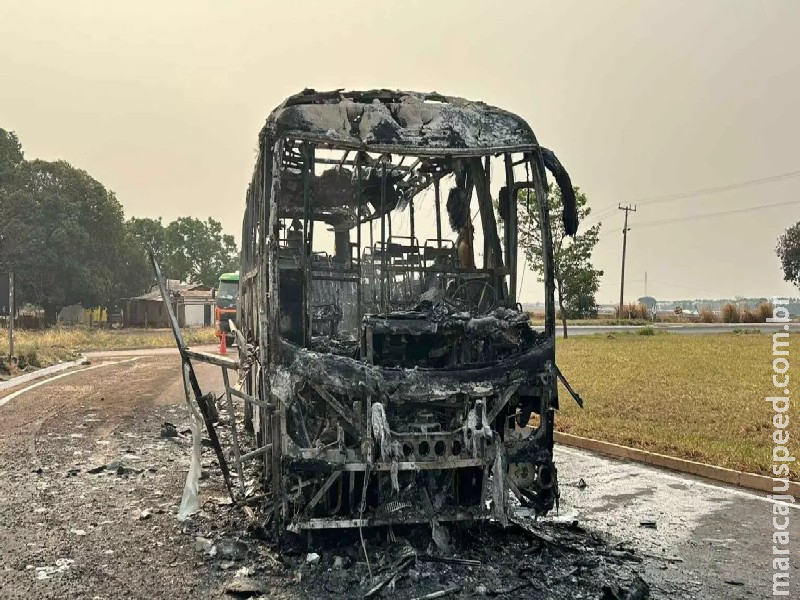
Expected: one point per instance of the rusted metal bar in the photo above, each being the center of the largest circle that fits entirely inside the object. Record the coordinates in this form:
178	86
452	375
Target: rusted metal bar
248	398
384	274
346	523
176	331
492	252
438	201
572	392
359	299
318	496
346	415
269	331
308	220
537	168
432	465
440	594
241	342
213	359
257	452
234	433
511	233
507	395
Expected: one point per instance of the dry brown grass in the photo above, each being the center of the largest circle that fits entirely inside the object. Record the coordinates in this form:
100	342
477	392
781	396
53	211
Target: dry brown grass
749	316
36	349
681	318
699	397
730	313
633	311
707	316
764	311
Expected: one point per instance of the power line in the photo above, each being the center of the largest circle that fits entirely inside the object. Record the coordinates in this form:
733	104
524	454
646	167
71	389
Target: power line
611	209
596	218
718	189
715	214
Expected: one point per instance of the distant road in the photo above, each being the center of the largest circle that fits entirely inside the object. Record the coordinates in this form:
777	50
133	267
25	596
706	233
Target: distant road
683	328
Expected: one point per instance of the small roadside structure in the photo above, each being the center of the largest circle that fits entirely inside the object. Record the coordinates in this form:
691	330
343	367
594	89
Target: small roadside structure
193	304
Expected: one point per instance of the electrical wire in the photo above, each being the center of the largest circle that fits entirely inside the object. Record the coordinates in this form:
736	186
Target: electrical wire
716	189
609	210
723	213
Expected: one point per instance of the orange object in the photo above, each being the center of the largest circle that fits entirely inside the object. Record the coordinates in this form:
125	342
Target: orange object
223	344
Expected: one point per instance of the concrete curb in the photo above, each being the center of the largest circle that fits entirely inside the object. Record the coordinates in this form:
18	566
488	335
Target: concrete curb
46	372
751	481
126	352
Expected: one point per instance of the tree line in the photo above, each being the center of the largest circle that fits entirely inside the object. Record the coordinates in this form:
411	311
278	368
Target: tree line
65	237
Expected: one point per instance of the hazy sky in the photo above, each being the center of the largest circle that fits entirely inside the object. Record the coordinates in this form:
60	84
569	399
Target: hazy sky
163	101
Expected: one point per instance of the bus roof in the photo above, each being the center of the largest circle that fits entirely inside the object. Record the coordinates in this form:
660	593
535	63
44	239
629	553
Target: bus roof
230	277
399	121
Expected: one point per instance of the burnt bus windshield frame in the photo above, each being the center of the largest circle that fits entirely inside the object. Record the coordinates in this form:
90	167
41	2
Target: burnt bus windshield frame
532	159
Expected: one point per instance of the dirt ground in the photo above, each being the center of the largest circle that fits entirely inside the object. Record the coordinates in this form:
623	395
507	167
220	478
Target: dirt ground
68	533
89	491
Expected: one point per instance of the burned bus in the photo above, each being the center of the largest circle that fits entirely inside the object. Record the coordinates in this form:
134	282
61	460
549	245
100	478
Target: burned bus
388	370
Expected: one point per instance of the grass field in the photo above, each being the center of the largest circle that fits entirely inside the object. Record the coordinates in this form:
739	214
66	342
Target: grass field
36	349
700	397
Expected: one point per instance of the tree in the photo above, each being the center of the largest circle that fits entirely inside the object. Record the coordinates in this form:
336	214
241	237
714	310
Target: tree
577	281
580	285
788	251
134	274
64	236
188	249
10	155
61	231
197	251
150	233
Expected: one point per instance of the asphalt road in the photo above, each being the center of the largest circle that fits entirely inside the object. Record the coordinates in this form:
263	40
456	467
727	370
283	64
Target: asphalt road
683	329
722	535
703	540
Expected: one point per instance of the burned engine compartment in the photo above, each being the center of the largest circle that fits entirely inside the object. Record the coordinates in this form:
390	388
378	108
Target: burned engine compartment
464	431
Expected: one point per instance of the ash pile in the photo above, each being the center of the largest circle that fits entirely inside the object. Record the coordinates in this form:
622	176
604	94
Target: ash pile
525	560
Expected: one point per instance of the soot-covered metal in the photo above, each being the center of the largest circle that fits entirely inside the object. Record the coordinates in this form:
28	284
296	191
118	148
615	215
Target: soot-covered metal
387	371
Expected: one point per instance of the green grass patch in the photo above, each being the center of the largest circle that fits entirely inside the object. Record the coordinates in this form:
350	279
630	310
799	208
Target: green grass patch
698	397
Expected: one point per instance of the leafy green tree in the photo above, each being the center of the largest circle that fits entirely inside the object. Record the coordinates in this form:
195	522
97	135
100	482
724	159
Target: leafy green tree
577	281
788	251
64	236
188	249
133	273
150	233
10	155
197	251
61	232
581	283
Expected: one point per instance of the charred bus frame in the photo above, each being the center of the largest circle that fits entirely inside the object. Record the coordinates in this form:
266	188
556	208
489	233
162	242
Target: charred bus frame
388	380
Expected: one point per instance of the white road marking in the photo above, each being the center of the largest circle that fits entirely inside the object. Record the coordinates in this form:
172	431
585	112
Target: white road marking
693	480
10	397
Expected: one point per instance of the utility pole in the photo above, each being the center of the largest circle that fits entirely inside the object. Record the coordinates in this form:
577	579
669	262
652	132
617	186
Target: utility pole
11	310
627	209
